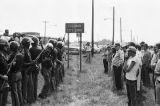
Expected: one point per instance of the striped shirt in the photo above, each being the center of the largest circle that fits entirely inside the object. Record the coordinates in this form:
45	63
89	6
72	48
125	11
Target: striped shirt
118	59
154	59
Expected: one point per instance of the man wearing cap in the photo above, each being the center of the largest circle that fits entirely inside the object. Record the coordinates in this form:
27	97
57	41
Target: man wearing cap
131	69
117	63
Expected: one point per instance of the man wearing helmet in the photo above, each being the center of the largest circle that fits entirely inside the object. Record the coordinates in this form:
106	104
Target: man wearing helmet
27	84
35	51
60	66
46	70
54	59
15	76
3	72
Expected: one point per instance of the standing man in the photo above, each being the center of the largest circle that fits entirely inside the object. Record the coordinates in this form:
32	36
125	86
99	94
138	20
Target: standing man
46	70
146	59
3	72
157	82
105	61
131	70
27	84
15	76
117	62
109	56
88	52
35	51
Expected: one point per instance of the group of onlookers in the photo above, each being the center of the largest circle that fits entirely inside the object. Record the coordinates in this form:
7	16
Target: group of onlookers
138	65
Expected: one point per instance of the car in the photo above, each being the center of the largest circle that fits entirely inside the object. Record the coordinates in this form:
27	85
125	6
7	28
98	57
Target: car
73	50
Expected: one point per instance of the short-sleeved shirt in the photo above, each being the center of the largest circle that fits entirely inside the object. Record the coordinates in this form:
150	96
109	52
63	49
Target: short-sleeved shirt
132	74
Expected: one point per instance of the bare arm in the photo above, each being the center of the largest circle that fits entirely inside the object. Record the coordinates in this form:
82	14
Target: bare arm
131	66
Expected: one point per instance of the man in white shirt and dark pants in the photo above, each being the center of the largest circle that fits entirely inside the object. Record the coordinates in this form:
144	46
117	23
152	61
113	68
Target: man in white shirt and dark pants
131	69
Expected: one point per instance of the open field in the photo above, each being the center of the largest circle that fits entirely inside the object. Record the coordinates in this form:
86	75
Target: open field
88	88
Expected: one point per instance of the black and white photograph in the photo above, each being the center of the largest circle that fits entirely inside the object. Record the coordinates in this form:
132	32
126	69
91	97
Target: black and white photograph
79	53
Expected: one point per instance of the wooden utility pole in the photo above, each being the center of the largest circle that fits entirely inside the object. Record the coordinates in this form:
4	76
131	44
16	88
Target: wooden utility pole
113	25
68	52
92	50
131	35
120	30
45	27
45	31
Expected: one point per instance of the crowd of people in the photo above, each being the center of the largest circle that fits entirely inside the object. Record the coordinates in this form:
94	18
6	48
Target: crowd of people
22	62
137	66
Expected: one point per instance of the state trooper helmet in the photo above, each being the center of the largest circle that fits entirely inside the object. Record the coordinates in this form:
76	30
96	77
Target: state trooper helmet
25	42
35	40
3	42
49	45
14	46
59	44
53	41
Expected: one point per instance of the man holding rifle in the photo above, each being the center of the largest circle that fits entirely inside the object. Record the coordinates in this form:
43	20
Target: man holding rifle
3	72
14	74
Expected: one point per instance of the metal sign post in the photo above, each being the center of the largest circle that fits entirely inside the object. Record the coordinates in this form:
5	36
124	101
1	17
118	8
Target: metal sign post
75	28
68	51
80	52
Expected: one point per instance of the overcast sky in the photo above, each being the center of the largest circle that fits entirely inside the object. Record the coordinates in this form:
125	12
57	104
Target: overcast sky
142	16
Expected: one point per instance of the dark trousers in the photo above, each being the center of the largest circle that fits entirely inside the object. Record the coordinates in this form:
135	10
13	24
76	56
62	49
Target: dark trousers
118	77
46	87
24	86
131	92
30	90
53	79
16	93
105	63
145	75
3	96
27	88
35	85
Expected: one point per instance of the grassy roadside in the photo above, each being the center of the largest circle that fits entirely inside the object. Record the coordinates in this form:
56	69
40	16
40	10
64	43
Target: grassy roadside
91	87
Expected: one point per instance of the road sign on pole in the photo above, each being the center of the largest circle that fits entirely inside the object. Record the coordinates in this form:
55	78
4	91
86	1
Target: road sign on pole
74	27
79	29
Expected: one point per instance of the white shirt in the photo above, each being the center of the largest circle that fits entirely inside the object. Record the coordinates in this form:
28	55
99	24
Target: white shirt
139	57
132	74
88	48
